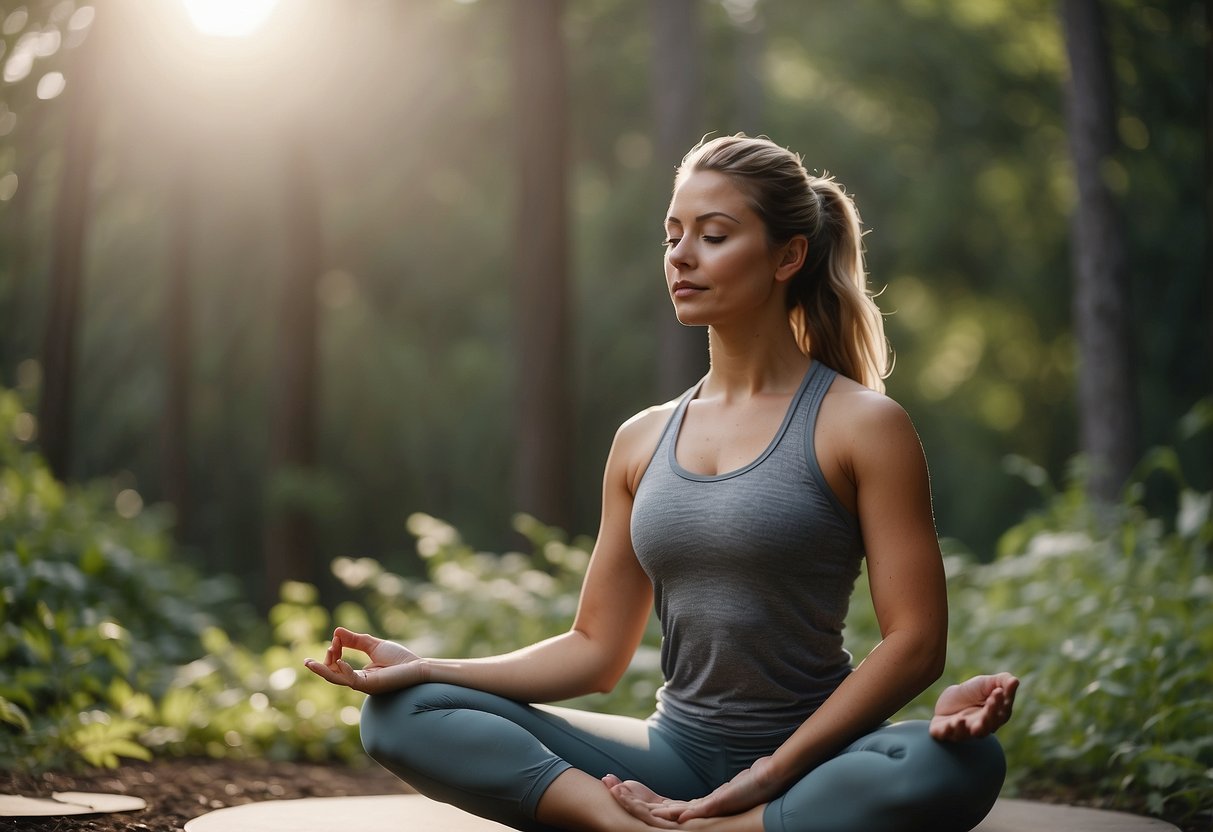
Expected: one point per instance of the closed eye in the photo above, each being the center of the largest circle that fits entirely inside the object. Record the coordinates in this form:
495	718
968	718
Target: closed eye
707	239
671	241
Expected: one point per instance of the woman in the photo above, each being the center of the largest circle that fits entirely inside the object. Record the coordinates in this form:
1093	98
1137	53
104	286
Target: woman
742	511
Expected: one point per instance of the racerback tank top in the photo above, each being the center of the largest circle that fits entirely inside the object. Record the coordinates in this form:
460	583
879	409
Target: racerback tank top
753	571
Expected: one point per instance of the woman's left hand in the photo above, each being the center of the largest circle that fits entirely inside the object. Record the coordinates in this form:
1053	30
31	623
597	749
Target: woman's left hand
753	787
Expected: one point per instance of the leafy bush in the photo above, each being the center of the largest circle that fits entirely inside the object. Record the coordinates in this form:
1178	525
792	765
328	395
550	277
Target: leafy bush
238	702
93	608
110	648
476	604
1107	616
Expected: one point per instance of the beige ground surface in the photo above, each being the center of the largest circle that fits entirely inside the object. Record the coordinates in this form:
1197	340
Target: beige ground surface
413	813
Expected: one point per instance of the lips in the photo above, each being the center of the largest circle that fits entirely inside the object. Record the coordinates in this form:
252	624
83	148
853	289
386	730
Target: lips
685	288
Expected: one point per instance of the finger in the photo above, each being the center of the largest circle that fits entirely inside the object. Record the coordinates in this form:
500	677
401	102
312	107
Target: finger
639	809
706	808
325	672
670	813
359	641
644	793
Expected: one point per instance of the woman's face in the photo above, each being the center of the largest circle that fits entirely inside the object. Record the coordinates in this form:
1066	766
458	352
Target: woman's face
719	264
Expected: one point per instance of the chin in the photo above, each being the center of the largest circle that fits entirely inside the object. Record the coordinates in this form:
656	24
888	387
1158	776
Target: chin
687	319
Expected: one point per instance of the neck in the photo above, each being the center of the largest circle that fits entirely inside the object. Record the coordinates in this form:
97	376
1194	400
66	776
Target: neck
749	360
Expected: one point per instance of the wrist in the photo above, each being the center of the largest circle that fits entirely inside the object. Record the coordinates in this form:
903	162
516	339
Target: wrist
776	772
425	671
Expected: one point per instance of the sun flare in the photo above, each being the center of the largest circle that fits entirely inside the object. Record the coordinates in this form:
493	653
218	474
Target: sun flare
229	18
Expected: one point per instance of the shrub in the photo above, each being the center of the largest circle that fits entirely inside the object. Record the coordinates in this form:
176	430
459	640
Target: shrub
95	613
476	603
1107	616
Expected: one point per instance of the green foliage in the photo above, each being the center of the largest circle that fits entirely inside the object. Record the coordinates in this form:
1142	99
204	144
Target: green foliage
92	605
110	649
474	603
1106	613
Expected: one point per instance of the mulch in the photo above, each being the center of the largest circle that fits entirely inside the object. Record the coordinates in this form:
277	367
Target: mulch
178	790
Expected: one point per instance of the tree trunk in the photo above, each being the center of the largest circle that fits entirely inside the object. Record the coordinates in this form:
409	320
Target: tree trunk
1209	170
682	352
290	529
67	255
543	473
1107	381
17	328
751	83
178	354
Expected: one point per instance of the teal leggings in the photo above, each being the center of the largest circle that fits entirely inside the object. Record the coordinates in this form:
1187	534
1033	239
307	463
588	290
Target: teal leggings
494	757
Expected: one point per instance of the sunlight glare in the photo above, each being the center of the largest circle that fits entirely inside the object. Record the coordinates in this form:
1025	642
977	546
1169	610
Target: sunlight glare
229	18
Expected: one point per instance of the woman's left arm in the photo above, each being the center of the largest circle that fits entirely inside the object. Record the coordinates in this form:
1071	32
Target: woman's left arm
883	458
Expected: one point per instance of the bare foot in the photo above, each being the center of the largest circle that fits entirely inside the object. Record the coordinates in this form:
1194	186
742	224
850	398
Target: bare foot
974	708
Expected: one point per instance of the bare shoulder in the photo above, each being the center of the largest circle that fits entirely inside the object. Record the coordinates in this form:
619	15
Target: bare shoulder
636	441
859	423
860	408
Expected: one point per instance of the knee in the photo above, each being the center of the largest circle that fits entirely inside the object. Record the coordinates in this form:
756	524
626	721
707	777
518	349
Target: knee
967	775
372	725
386	724
393	723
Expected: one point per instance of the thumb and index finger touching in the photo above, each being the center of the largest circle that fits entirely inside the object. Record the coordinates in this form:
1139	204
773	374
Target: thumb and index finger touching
335	669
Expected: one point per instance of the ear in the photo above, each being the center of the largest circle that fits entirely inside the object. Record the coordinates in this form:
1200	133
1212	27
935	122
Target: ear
791	258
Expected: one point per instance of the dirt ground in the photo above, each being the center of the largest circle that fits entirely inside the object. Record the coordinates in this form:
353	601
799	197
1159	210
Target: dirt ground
177	790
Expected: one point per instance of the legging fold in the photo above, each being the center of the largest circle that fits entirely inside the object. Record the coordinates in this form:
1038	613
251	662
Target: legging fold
495	757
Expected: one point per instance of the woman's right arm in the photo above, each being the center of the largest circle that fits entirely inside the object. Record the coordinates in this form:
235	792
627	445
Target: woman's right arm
616	597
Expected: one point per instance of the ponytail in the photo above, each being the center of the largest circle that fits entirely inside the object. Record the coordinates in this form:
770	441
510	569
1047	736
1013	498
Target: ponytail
833	314
830	308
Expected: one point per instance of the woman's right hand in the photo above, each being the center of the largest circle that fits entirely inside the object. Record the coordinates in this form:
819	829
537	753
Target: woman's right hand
392	666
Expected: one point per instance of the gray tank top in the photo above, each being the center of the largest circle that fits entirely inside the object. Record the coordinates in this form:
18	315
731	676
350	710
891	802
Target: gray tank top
753	572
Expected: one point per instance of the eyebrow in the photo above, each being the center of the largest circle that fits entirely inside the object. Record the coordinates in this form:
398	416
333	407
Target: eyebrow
706	216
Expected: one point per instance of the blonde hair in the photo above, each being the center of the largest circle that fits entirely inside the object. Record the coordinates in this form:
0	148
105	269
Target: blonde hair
830	308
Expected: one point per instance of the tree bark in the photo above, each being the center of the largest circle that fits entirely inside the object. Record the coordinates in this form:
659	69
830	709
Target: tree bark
67	255
1101	307
17	327
751	83
1209	170
543	468
178	330
290	528
682	352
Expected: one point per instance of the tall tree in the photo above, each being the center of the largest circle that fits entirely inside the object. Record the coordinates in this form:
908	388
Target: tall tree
1208	128
67	257
677	83
16	346
178	354
1108	416
751	84
289	529
543	473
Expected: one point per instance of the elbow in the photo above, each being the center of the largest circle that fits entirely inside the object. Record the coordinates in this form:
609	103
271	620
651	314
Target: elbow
924	654
606	680
935	668
606	666
933	658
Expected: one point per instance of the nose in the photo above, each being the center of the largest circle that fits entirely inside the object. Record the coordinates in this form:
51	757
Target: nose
680	255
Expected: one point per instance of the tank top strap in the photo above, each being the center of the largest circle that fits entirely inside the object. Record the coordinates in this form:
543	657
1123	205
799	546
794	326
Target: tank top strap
672	425
818	386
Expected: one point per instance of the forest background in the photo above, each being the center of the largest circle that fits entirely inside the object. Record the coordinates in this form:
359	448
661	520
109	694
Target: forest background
277	294
368	155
